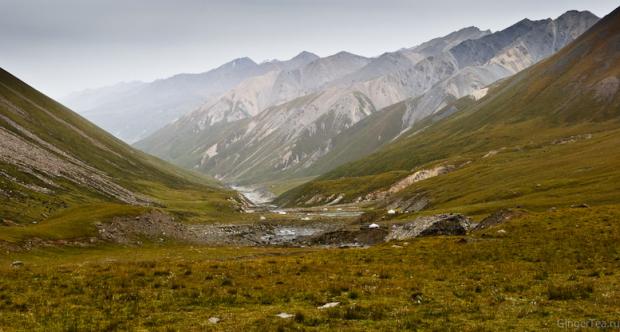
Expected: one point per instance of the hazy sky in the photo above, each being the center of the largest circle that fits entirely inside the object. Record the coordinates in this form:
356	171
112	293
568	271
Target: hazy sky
60	46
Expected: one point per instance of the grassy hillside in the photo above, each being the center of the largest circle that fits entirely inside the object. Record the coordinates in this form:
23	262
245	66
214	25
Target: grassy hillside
541	268
55	163
568	98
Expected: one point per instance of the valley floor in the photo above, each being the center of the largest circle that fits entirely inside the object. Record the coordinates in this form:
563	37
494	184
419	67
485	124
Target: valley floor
539	271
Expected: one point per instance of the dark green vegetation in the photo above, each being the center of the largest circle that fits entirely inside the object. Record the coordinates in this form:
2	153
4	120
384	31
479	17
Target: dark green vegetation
63	173
542	267
554	129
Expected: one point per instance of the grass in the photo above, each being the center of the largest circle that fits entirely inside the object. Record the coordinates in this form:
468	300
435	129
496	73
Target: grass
551	100
547	266
69	209
75	222
279	187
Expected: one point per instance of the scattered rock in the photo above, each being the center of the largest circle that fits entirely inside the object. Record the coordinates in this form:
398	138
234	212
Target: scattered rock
442	224
493	152
580	206
214	320
329	305
391	212
374	226
497	218
572	139
501	231
7	222
263	218
17	264
396	246
284	315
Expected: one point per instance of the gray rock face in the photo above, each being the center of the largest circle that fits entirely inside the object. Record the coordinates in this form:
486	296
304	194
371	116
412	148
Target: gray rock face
496	218
132	111
442	224
281	124
284	120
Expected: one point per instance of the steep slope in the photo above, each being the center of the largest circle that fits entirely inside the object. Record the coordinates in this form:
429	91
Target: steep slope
191	140
53	161
137	111
500	55
545	137
404	59
276	87
318	124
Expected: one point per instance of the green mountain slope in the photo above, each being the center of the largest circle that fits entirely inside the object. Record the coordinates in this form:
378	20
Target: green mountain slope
53	162
549	135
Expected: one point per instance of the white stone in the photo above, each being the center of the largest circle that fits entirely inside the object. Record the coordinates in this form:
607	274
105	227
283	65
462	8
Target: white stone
329	305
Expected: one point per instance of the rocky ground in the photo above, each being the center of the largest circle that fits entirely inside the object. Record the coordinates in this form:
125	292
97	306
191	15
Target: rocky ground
337	227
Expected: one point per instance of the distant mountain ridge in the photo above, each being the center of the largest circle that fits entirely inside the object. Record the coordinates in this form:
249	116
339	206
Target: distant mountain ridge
133	111
542	137
269	138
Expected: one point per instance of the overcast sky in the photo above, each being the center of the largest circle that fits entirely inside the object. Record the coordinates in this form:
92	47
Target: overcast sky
60	46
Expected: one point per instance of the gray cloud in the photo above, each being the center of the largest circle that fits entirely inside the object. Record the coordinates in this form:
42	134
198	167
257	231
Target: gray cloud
61	46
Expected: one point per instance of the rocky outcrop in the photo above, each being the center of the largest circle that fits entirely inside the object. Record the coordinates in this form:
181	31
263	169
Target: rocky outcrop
496	218
416	176
442	224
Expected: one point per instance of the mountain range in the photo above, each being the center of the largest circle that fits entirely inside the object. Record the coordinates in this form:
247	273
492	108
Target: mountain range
134	110
546	136
301	121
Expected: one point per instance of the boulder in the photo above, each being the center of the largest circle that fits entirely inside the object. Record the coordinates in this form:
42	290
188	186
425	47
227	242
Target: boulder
284	315
441	224
329	305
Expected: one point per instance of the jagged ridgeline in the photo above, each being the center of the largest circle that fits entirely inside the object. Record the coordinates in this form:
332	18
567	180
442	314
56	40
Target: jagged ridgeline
53	161
314	115
547	136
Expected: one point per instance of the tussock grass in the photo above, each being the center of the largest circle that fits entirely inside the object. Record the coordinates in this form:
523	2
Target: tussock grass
550	265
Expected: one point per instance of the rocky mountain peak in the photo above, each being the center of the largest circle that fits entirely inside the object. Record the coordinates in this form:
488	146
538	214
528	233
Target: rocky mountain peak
240	62
305	55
